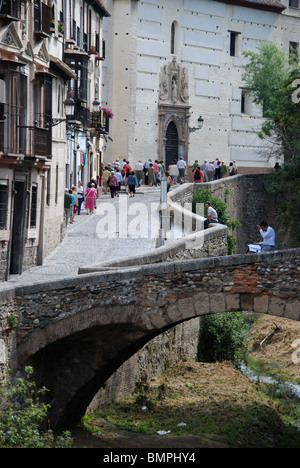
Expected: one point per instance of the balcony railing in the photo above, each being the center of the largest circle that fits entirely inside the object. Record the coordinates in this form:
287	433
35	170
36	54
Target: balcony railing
78	91
42	136
13	135
99	122
16	138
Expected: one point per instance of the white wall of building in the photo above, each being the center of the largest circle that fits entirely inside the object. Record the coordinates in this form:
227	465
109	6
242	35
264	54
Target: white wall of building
138	38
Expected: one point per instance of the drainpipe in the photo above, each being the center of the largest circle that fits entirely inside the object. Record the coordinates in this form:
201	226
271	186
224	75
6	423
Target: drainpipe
12	201
40	249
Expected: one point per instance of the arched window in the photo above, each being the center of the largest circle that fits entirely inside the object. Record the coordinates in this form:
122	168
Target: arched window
173	30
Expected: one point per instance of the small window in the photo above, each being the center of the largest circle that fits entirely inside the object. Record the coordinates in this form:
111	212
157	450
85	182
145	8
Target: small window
245	102
173	38
3	203
294	51
33	211
294	3
234	43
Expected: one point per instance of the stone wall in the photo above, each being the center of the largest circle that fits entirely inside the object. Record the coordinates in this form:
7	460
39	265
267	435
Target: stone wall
250	201
8	309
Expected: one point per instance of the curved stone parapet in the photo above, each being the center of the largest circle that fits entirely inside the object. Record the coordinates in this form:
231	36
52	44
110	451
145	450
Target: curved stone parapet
194	242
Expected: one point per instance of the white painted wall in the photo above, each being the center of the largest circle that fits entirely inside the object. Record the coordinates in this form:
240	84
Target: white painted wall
138	44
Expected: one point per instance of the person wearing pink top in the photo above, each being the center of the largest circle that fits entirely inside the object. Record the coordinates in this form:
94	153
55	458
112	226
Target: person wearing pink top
90	199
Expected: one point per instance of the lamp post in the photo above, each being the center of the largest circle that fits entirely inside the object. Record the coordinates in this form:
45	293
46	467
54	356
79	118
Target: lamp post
200	123
70	107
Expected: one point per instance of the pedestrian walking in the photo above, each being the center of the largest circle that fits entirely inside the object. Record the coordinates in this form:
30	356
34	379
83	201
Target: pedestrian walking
139	172
173	171
90	199
145	169
210	171
113	184
106	174
75	204
198	175
181	164
132	183
120	180
151	175
67	204
80	196
71	215
223	169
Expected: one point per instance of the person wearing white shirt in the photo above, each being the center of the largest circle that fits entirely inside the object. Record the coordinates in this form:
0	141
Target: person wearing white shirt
120	179
116	164
212	215
209	172
181	164
139	172
268	235
173	171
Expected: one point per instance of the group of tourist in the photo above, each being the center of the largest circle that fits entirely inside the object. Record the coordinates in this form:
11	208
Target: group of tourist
76	196
149	173
212	170
116	174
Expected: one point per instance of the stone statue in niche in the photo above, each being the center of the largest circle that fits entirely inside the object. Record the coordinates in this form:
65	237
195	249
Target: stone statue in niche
173	83
163	86
174	91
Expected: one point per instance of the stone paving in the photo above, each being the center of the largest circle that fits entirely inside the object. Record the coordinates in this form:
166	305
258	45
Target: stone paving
84	243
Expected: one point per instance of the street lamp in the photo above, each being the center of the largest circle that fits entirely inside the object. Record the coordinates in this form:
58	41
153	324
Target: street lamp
200	123
69	106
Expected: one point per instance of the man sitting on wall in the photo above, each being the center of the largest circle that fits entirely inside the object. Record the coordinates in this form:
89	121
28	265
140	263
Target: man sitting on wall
268	235
212	215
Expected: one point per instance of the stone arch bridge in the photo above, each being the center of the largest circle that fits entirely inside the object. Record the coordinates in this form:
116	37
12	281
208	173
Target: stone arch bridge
77	332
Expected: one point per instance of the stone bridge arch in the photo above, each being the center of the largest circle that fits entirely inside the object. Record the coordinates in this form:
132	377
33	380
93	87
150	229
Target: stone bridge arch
77	332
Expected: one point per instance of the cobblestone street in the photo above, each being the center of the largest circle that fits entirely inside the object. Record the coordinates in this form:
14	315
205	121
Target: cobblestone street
84	245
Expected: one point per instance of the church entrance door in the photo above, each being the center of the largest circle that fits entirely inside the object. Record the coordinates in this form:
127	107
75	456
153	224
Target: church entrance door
171	145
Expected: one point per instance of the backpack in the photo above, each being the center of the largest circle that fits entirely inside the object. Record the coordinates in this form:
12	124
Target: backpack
197	175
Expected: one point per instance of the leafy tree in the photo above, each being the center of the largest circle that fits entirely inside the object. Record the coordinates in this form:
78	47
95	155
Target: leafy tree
264	73
21	415
222	337
272	80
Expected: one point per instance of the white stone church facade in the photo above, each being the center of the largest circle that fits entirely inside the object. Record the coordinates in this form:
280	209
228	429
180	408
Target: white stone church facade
168	62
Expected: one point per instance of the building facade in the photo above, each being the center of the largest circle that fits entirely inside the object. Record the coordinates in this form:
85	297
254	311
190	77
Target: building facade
48	52
171	62
83	53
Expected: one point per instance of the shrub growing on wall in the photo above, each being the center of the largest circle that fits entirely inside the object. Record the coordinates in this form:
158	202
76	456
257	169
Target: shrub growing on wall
201	196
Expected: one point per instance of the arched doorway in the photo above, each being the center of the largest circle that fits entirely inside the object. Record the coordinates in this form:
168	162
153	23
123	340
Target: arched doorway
173	112
171	144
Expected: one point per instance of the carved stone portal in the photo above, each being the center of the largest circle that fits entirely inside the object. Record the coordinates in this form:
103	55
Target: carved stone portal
174	112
